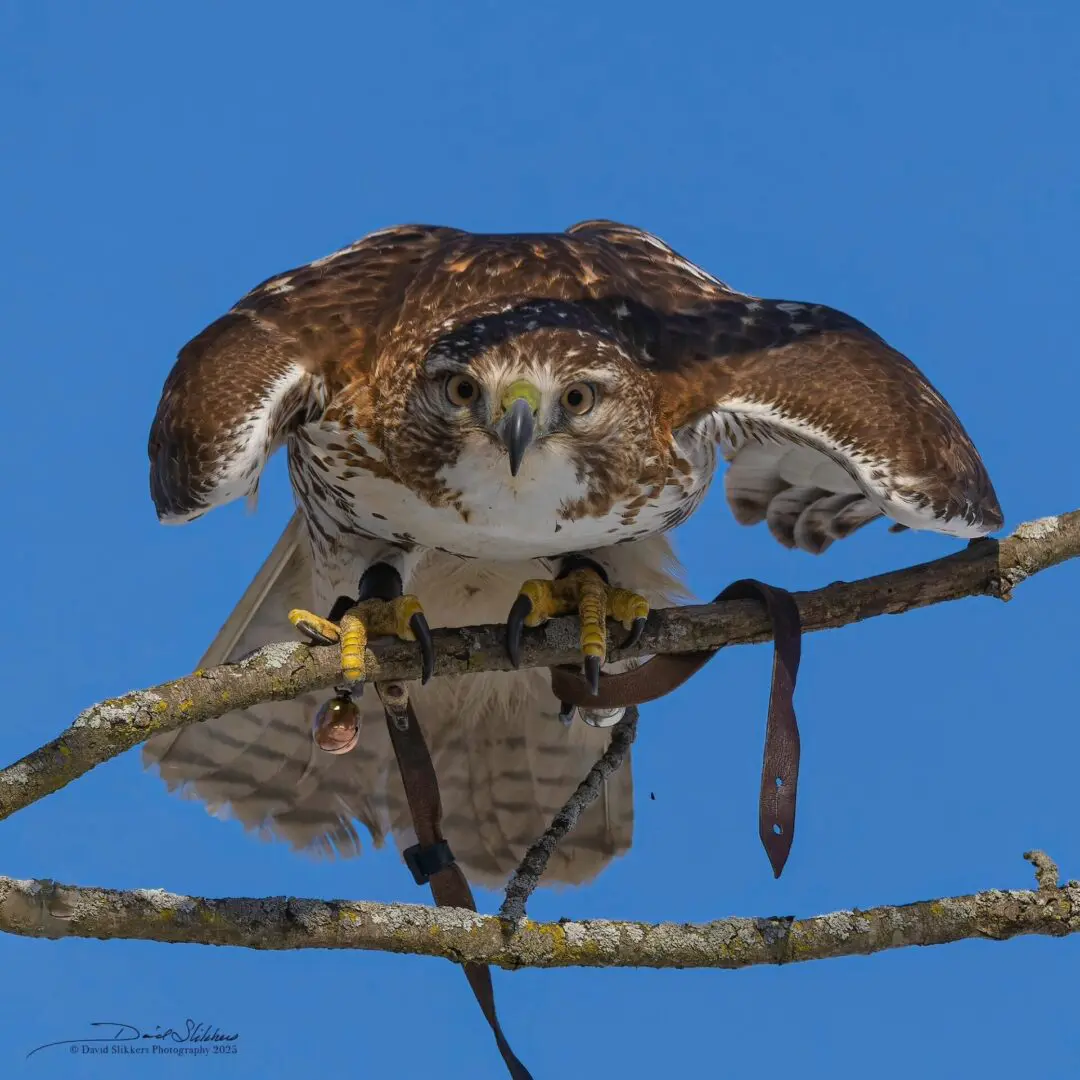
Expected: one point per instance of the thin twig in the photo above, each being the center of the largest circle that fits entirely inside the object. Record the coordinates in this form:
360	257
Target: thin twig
283	671
1046	870
527	876
45	909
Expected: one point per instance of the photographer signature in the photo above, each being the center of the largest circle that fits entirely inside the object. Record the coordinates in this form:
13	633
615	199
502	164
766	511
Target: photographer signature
113	1032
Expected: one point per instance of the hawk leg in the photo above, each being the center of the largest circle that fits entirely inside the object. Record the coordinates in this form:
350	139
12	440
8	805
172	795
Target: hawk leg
379	610
580	587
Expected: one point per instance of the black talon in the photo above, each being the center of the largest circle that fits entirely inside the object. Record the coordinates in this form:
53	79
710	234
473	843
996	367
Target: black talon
637	628
566	712
515	624
313	634
418	624
592	674
341	605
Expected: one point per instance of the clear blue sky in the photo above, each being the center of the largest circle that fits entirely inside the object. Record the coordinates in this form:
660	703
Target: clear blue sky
915	165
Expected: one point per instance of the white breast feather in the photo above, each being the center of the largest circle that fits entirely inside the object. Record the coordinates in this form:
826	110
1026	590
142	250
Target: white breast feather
500	516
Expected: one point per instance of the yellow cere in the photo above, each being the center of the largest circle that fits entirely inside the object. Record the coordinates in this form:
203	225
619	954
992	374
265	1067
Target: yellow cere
521	388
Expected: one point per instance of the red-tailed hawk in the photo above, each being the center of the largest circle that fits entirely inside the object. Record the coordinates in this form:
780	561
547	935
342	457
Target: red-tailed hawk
467	413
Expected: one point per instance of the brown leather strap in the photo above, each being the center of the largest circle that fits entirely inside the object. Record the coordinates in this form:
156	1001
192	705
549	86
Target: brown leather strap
449	886
664	673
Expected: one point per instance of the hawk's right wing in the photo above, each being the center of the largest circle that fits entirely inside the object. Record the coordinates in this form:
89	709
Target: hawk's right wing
272	362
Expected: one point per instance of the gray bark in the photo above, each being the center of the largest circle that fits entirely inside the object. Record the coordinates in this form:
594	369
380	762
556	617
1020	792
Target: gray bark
48	910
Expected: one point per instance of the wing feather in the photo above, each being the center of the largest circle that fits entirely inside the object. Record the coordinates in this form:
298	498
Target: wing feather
807	403
273	362
227	405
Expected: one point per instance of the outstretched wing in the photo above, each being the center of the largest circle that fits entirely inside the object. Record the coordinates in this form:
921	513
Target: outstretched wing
271	363
825	426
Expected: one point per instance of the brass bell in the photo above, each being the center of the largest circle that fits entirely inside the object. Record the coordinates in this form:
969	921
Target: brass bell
336	727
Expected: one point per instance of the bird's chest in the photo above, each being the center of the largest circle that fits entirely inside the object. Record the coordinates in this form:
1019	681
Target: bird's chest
476	508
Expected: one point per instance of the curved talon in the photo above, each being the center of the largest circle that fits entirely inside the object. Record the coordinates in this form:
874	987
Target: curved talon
582	590
314	635
637	628
566	712
515	623
418	624
319	630
592	674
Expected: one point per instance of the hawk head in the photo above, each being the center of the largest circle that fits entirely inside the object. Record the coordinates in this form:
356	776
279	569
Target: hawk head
546	394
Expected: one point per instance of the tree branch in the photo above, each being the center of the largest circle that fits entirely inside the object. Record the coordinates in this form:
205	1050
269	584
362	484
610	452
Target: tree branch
47	910
279	672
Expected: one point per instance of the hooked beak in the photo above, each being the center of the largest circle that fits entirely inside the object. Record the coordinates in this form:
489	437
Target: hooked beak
516	429
518	424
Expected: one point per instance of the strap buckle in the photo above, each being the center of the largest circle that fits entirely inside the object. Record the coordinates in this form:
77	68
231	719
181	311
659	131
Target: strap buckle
423	862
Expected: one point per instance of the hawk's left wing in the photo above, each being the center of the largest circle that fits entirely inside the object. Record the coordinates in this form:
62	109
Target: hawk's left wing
824	425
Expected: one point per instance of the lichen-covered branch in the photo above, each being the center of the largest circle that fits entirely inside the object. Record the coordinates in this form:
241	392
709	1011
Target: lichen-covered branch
46	909
986	567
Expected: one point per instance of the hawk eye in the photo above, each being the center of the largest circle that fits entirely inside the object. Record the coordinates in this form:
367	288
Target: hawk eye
578	398
461	390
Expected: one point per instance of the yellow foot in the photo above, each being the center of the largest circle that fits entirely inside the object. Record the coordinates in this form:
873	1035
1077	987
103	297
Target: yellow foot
585	592
402	618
